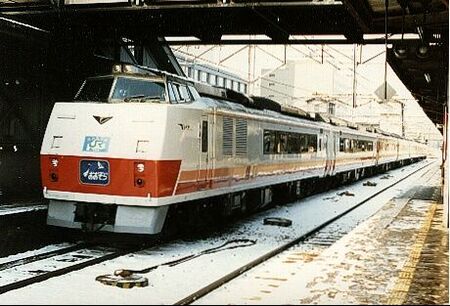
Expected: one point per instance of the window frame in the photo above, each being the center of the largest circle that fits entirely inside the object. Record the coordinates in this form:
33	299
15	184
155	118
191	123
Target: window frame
288	142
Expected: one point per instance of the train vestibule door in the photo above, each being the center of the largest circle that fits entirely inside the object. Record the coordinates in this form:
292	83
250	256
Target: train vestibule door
378	149
332	148
205	147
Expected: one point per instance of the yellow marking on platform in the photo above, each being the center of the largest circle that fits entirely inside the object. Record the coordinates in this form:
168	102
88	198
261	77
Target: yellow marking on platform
306	257
255	298
303	254
400	291
295	258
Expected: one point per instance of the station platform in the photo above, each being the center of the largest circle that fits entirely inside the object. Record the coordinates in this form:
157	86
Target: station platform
23	226
20	207
397	256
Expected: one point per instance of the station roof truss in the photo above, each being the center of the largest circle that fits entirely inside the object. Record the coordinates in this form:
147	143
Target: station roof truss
424	70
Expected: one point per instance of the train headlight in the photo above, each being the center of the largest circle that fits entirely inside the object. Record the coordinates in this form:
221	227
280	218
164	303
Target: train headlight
117	68
140	167
54	162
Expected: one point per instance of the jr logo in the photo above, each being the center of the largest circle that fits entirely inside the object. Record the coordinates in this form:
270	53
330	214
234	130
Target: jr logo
96	144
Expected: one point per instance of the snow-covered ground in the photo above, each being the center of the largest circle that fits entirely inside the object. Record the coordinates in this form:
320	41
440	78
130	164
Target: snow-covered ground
168	285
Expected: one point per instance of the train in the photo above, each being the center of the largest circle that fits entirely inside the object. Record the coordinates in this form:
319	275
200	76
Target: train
139	142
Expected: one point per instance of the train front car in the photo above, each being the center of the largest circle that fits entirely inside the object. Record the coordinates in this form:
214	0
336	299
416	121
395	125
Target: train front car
102	160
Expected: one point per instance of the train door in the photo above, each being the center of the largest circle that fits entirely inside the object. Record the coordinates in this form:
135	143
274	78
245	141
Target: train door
322	148
397	146
330	146
336	149
205	140
322	139
329	143
378	148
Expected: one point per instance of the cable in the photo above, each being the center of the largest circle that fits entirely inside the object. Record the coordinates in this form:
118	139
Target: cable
386	6
231	244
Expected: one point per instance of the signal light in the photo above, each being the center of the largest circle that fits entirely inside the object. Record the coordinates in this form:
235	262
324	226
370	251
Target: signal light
140	167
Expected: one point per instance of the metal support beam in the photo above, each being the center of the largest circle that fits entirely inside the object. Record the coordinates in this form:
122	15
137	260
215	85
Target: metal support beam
360	11
26	8
274	30
411	22
377	41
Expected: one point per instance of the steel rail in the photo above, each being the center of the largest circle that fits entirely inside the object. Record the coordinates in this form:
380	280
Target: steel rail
39	278
30	259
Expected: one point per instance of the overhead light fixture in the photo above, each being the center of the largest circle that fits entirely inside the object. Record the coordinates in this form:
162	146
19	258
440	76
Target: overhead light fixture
400	49
427	77
423	50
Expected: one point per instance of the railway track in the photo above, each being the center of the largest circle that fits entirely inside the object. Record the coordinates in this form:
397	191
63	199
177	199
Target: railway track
34	258
323	236
84	254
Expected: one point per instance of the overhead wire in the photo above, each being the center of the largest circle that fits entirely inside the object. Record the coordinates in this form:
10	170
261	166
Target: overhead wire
362	85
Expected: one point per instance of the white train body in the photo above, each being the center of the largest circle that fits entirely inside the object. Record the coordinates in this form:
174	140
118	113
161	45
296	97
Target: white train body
136	156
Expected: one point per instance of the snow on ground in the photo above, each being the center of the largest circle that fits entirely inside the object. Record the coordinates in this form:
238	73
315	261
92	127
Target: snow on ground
167	284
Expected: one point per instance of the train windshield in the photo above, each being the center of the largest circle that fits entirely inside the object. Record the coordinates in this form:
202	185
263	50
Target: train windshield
124	89
131	89
95	90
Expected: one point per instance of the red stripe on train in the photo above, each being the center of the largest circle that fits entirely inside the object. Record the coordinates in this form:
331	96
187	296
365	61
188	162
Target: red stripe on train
159	176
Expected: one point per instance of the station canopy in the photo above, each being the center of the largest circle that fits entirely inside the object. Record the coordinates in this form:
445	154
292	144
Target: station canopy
421	63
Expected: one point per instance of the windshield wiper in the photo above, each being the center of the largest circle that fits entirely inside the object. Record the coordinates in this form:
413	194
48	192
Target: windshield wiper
141	98
127	99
